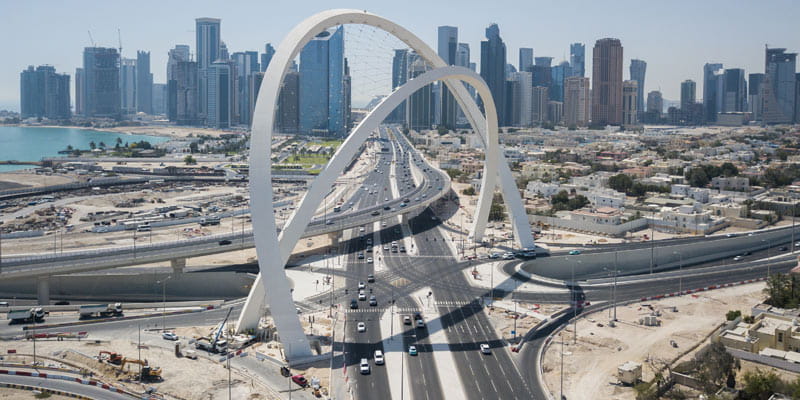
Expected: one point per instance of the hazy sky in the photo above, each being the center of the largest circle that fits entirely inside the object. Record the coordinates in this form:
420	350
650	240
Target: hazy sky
675	37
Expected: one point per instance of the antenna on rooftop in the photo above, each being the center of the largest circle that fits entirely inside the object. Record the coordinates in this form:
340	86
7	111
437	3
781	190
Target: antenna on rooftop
91	40
119	37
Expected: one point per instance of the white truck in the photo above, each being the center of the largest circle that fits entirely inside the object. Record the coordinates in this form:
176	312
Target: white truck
100	310
221	346
209	221
34	314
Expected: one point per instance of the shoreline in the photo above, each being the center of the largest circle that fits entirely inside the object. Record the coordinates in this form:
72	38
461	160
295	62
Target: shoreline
173	132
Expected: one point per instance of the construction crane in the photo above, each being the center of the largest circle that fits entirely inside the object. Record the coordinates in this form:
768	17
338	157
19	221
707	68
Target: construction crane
91	40
119	37
222	325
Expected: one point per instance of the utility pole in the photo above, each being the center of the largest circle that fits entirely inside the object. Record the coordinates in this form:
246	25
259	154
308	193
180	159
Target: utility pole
615	285
164	309
229	376
652	241
562	370
139	347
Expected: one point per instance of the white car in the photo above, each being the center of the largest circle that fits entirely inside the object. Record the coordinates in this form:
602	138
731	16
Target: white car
485	349
420	323
378	357
362	285
369	260
169	336
361	229
364	366
362	327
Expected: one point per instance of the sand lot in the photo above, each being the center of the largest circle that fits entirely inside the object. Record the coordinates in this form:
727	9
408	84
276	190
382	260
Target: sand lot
590	365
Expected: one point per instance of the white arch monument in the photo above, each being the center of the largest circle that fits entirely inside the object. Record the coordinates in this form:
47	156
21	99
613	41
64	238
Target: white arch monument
273	250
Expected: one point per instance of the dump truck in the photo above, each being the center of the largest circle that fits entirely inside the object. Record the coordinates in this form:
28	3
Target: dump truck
100	310
35	314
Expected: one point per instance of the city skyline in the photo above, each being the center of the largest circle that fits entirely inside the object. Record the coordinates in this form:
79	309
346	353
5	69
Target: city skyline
742	48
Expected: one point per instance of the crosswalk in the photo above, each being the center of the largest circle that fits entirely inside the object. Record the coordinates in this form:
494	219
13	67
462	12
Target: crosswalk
403	310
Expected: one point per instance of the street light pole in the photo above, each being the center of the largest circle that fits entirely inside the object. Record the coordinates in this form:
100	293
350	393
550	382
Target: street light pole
680	271
164	309
652	240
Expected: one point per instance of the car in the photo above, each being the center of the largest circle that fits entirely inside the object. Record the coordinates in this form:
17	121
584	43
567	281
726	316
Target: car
394	249
387	208
574	252
364	366
369	249
412	350
353	304
383	224
406	320
386	247
362	296
169	336
300	380
369	240
434	218
361	285
376	212
361	229
508	256
420	323
737	258
385	199
402	204
370	278
328	222
416	199
783	248
494	255
378	357
369	260
402	249
373	301
362	327
485	349
360	256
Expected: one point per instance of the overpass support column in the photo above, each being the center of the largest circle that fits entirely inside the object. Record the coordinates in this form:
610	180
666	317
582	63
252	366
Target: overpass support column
177	264
43	290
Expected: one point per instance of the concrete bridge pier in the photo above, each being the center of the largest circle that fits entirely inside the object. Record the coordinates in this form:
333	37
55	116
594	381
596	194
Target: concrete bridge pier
43	290
177	264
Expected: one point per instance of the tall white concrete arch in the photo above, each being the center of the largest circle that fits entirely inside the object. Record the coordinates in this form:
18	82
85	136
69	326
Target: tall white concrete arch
273	251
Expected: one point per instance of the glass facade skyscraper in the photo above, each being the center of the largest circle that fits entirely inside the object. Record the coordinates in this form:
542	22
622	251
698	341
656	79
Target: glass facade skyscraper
447	49
607	82
577	59
710	104
493	69
638	69
780	74
144	83
207	31
525	59
44	93
101	94
322	97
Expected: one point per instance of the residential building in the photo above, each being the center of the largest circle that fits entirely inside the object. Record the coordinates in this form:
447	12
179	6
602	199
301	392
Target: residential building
493	69
127	86
322	95
525	59
630	91
44	93
539	104
607	82
688	99
637	70
555	111
736	183
688	219
735	96
182	93
577	59
80	91
576	101
754	105
144	83
779	81
462	60
101	94
447	49
253	87
521	98
266	56
207	47
220	95
542	189
710	90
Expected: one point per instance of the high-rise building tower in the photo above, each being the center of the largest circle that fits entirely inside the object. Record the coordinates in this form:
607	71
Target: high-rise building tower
638	69
447	49
144	83
710	86
577	59
399	77
246	63
463	60
734	98
322	84
80	91
493	69
688	95
182	97
521	96
630	90
754	105
655	107
127	86
44	93
159	100
540	100
576	101
607	82
207	33
420	104
220	95
525	59
266	57
101	94
557	75
780	75
542	71
288	113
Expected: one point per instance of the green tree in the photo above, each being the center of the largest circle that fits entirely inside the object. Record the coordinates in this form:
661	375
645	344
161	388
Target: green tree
189	160
469	191
715	365
733	314
697	177
620	182
760	385
92	145
498	210
728	169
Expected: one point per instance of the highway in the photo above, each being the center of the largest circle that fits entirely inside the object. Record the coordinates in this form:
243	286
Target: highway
93	392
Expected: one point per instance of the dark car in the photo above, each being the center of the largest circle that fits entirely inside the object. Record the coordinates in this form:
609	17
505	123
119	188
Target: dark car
224	242
783	248
387	208
353	303
376	212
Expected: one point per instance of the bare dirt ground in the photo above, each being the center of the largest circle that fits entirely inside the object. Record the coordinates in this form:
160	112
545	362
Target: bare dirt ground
19	179
590	366
17	394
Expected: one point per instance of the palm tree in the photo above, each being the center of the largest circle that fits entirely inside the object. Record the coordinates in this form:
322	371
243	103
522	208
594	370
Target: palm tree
102	145
92	145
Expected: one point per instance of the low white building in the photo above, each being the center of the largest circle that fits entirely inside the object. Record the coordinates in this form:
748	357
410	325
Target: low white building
738	183
596	180
542	189
604	197
689	219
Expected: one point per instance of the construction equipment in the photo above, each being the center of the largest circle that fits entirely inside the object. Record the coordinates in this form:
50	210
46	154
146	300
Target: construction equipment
112	358
215	345
34	314
148	373
100	310
91	39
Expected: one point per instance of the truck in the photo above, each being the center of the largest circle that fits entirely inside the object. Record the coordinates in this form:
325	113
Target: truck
35	314
100	310
209	221
220	346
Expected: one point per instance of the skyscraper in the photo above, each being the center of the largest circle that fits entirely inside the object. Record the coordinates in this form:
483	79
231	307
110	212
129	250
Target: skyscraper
127	86
493	68
557	75
447	49
420	104
607	82
246	63
159	100
463	60
80	91
220	95
735	96
630	90
688	96
540	100
521	96
577	59
655	107
183	94
576	101
266	57
101	94
207	33
780	76
542	71
44	93
754	95
144	83
638	69
525	59
710	86
288	113
399	77
322	84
